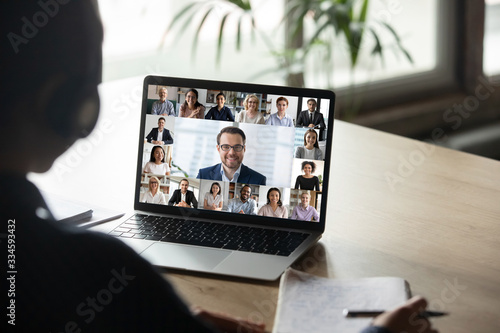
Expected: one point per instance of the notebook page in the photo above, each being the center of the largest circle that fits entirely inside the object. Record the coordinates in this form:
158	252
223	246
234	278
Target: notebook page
308	303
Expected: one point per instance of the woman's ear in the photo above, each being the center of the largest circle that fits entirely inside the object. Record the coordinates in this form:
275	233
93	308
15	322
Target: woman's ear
72	109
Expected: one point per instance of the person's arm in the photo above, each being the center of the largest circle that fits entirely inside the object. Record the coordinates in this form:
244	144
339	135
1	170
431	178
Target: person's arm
209	114
170	109
315	214
202	109
182	110
205	204
168	139
149	137
297	183
162	199
269	120
154	108
261	119
298	152
221	203
230	206
172	200
403	319
230	116
285	212
322	124
294	214
194	201
300	121
316	186
318	154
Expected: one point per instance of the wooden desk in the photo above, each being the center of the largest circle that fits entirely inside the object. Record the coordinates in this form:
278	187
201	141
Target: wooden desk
436	224
438	227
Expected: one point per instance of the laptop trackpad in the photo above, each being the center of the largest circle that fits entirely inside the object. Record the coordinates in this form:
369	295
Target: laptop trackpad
184	256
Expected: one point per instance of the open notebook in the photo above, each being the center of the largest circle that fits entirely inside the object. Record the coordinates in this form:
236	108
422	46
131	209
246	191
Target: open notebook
309	303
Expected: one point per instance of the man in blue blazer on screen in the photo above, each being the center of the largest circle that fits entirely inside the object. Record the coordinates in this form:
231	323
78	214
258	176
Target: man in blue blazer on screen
231	147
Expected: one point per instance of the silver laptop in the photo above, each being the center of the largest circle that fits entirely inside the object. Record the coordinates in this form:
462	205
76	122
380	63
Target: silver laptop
232	178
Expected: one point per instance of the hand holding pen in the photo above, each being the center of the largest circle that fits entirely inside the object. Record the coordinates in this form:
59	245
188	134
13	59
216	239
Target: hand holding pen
409	318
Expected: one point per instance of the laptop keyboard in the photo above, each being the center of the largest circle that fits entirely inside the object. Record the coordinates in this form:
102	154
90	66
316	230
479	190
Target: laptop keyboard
210	234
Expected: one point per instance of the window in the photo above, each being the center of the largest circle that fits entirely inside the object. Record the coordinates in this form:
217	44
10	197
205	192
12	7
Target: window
491	64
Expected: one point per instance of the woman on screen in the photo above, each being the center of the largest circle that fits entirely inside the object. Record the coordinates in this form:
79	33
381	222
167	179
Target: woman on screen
220	111
280	118
251	114
191	108
274	206
154	195
310	150
213	199
307	181
156	164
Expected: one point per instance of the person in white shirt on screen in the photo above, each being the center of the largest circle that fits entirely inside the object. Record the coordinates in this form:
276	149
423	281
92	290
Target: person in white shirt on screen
251	114
310	150
163	107
213	199
280	118
154	195
244	204
156	164
160	135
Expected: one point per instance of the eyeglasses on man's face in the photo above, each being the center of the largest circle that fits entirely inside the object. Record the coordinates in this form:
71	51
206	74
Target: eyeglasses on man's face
236	148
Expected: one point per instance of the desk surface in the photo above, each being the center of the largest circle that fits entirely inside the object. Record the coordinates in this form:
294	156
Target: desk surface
398	208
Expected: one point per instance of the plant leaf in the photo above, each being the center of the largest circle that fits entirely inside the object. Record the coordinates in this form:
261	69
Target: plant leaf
221	35
197	34
176	19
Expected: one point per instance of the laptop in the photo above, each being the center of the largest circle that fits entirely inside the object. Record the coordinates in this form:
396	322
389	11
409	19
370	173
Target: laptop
230	186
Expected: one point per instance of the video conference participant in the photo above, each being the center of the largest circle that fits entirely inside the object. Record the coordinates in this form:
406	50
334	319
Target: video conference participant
310	150
251	114
163	107
156	164
280	118
160	135
311	117
213	199
231	147
274	206
307	181
154	195
244	204
220	112
183	197
191	108
304	211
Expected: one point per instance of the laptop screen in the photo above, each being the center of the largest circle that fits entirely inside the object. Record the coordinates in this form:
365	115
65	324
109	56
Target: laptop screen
232	151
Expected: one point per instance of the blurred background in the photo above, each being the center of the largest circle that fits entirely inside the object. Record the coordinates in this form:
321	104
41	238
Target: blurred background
427	69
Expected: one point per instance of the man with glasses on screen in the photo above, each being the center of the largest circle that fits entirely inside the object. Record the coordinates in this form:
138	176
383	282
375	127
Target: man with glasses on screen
231	147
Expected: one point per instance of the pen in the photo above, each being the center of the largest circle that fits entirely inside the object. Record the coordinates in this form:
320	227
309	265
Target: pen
365	314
